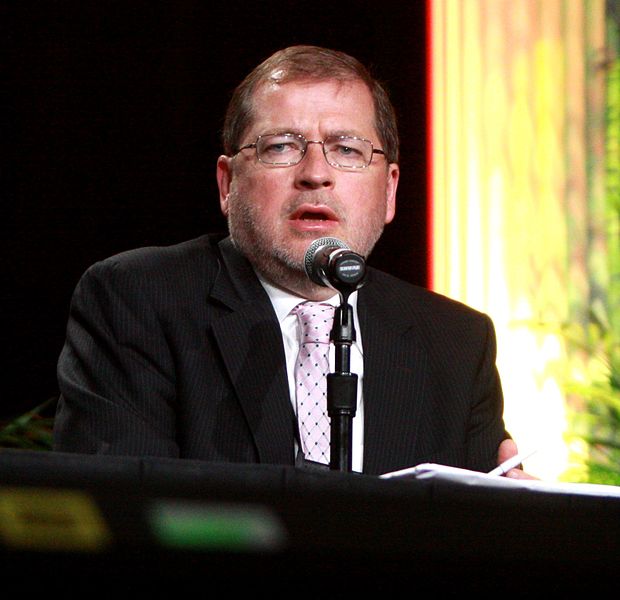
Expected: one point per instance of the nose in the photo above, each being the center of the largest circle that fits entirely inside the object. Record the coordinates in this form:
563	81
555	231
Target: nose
313	172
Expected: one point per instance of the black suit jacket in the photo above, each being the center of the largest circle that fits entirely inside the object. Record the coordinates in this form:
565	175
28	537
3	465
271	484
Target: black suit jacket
158	362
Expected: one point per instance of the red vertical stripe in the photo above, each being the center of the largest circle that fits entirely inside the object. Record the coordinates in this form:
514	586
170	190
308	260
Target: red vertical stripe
429	146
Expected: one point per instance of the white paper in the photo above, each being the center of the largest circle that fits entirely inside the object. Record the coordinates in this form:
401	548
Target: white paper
475	478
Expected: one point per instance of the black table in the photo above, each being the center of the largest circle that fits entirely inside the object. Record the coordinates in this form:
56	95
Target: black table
95	523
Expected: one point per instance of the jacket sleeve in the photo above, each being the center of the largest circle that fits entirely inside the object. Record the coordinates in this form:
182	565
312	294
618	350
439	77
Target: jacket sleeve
115	372
485	429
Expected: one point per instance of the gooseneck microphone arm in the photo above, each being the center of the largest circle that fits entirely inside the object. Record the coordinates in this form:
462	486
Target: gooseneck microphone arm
329	262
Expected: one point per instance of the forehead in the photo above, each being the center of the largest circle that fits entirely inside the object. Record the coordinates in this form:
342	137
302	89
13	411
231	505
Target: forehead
313	107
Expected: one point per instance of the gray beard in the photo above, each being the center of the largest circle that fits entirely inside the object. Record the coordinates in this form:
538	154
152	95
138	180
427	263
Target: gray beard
277	264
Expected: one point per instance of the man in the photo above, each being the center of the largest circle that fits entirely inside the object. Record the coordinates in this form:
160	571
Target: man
190	351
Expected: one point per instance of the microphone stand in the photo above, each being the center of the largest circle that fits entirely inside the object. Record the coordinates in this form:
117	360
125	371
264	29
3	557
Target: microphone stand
330	262
342	388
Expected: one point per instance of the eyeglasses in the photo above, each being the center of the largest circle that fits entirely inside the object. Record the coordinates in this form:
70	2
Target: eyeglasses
288	149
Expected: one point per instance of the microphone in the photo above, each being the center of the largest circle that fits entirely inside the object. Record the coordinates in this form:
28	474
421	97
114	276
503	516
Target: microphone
331	263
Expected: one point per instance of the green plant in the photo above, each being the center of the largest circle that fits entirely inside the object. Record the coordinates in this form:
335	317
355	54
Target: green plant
31	430
592	386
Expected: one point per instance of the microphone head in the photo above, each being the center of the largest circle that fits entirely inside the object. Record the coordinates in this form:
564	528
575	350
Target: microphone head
317	246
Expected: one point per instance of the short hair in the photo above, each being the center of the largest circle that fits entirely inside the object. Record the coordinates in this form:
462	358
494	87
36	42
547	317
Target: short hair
297	63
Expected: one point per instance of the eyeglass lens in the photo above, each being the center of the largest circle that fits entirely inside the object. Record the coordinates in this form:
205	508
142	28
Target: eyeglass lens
289	149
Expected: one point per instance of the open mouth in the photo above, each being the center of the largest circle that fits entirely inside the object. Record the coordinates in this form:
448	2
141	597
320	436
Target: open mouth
312	216
314	213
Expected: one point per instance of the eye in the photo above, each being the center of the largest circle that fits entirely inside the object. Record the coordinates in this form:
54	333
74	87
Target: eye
279	147
347	150
345	146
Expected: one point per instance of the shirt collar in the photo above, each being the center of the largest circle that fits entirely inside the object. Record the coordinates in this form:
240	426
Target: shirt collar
283	301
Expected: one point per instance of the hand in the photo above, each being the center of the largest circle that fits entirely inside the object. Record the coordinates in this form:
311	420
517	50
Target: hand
506	450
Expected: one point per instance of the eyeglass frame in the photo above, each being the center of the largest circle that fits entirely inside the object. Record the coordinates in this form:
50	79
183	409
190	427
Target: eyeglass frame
305	149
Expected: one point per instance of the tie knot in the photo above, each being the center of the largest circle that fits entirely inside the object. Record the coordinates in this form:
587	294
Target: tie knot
316	321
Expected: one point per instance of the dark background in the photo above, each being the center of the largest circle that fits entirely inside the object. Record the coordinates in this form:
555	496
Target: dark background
111	114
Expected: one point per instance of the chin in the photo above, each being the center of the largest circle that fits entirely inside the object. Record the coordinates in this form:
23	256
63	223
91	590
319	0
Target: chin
295	249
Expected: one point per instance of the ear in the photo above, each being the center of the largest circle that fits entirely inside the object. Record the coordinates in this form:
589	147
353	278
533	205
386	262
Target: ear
224	181
390	192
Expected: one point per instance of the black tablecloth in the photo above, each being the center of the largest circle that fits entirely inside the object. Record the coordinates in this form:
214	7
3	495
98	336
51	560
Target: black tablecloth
348	531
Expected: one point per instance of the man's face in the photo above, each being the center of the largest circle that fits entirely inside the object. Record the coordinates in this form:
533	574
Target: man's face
274	213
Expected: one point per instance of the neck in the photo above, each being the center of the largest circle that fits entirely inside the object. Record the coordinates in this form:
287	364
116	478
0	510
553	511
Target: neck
303	287
283	272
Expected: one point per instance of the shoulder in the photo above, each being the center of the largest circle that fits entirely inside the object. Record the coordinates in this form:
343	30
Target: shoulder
163	272
159	263
192	253
403	304
411	299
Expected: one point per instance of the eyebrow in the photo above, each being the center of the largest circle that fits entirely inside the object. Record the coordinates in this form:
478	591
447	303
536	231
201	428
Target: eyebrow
349	132
295	131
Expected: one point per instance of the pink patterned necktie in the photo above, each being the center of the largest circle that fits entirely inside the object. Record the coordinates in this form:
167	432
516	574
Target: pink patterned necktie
311	369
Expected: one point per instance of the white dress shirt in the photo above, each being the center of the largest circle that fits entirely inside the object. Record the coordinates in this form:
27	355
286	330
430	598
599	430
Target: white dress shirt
283	302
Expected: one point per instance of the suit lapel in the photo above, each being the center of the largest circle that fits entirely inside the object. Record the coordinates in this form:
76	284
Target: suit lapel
395	365
250	341
394	386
